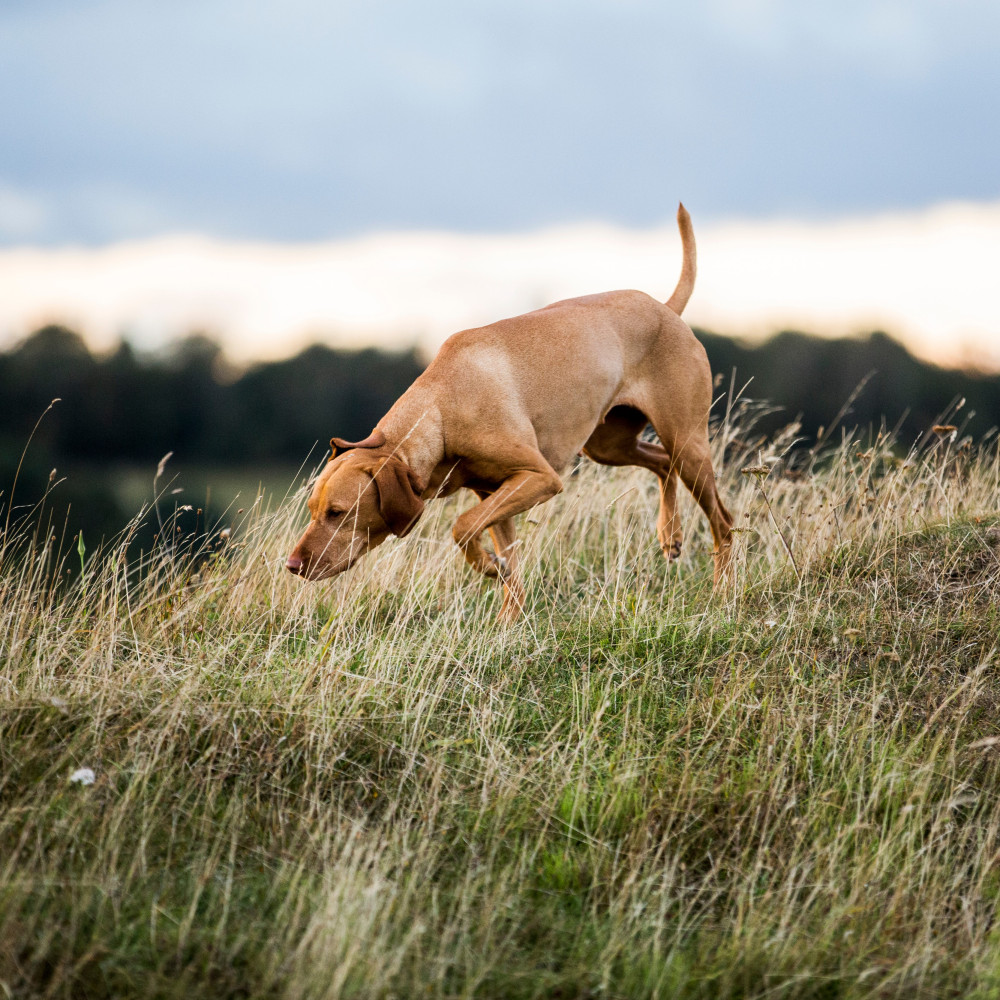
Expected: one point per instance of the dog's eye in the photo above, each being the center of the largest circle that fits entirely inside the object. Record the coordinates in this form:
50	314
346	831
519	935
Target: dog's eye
333	512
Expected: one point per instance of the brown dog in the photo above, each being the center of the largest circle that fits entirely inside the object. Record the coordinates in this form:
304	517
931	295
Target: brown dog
502	408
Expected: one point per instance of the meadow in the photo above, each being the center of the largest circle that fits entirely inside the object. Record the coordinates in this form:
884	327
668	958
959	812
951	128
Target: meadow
217	781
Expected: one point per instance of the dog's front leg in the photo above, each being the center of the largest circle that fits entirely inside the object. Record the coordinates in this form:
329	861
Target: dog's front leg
521	491
504	536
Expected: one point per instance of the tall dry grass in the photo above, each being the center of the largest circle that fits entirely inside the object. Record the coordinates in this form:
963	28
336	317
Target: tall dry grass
369	789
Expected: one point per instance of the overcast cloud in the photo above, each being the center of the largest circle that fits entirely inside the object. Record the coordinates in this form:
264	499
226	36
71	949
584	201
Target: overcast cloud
314	119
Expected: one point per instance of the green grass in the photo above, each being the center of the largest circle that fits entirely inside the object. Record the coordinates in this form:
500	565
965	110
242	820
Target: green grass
369	789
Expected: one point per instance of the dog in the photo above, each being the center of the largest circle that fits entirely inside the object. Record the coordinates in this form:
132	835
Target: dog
503	408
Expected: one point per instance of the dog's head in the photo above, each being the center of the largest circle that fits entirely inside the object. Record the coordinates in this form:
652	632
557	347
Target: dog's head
362	496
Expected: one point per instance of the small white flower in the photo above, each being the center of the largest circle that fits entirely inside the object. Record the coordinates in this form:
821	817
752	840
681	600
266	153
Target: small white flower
771	622
82	776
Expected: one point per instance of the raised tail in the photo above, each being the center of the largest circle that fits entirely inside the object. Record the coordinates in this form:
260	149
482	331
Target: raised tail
689	269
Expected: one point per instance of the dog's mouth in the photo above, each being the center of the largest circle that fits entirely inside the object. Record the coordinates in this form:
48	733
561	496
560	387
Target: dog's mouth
314	571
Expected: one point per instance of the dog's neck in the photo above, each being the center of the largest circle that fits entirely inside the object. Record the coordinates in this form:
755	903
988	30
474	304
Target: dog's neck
413	432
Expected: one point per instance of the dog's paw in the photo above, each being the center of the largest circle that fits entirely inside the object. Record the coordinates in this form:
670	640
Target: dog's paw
673	550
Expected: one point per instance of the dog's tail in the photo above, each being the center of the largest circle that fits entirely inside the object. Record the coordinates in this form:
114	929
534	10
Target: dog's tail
689	269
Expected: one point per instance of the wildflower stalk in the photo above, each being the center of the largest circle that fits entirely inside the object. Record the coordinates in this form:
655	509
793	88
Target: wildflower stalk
17	472
759	473
81	551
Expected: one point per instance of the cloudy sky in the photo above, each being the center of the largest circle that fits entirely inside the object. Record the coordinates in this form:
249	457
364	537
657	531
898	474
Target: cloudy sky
330	121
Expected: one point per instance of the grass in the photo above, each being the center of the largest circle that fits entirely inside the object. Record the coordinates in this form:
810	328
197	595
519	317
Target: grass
369	789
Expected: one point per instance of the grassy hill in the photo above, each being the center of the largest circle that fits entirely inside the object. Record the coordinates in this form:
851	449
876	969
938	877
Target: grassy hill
366	788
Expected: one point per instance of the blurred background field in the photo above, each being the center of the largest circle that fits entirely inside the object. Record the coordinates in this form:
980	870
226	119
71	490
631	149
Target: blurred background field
232	433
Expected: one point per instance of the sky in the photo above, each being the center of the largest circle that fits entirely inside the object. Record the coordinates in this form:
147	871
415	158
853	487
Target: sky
227	130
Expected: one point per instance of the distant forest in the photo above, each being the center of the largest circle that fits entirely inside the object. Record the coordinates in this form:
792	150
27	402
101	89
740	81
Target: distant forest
129	407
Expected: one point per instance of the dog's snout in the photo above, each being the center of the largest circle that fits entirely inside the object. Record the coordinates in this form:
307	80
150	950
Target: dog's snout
295	565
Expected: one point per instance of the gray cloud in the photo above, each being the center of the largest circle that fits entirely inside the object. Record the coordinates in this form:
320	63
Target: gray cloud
126	118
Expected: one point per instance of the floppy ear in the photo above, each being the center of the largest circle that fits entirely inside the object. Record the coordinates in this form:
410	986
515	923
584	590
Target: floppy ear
398	502
374	440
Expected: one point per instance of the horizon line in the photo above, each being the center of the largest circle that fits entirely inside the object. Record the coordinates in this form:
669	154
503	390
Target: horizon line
924	276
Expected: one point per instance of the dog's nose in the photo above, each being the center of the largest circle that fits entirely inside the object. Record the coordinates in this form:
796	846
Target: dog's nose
294	565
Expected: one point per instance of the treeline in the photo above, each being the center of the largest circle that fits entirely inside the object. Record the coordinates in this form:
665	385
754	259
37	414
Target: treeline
134	408
812	379
128	407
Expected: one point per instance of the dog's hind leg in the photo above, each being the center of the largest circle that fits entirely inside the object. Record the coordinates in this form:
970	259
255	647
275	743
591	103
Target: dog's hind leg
694	465
616	442
668	521
680	418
